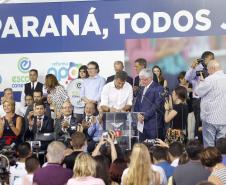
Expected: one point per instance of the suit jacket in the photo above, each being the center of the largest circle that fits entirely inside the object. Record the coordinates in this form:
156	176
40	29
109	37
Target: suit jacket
58	125
28	89
47	127
136	81
129	79
152	102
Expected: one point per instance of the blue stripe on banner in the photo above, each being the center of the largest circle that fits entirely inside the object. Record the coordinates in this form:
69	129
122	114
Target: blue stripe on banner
104	25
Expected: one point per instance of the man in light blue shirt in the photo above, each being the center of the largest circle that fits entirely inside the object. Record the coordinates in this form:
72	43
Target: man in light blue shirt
92	86
213	102
194	78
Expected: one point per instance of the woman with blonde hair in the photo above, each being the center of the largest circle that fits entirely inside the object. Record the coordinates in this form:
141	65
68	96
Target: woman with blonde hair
10	124
85	171
140	171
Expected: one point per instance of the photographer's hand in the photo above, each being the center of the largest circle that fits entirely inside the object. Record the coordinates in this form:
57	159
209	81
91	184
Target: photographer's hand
194	64
140	118
161	143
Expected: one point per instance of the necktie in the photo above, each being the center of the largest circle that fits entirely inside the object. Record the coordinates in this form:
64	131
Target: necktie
39	123
33	86
145	89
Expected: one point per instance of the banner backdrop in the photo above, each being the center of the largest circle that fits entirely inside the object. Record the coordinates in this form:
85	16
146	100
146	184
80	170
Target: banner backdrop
52	37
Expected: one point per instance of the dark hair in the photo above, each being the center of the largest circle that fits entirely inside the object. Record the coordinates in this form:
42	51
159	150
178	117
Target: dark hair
141	61
102	168
194	148
181	75
221	145
95	64
28	95
116	170
181	92
31	164
205	183
176	149
161	78
78	139
206	54
160	153
210	156
183	159
122	75
34	70
23	150
37	91
39	103
83	67
51	81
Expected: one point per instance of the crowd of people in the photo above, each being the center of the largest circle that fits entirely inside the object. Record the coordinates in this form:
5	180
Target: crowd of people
67	125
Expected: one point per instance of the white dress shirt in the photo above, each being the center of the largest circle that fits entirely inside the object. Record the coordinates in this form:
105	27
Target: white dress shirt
213	98
116	98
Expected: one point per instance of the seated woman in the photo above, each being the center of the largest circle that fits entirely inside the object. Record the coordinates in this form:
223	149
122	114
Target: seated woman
10	124
176	112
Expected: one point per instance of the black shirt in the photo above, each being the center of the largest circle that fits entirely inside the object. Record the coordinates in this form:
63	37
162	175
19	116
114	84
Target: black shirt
180	120
70	159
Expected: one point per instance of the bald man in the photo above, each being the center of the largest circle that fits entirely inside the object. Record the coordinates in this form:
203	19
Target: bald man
212	91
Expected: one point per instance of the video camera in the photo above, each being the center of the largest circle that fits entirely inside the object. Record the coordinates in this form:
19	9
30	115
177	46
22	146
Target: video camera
204	71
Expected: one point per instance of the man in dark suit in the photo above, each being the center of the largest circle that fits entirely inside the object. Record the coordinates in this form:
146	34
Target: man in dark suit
38	122
149	101
66	124
118	66
140	64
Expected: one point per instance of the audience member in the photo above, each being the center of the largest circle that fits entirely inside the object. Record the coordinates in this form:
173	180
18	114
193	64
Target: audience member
39	123
66	124
213	100
160	156
56	91
18	171
139	171
74	92
116	170
117	96
118	66
85	171
78	143
194	170
53	173
211	158
102	168
10	124
159	77
176	149
31	165
33	85
148	102
92	86
221	146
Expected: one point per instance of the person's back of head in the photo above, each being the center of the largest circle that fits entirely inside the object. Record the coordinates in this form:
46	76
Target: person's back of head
221	145
194	148
176	149
24	150
102	168
84	166
78	140
31	164
159	153
55	152
116	170
205	183
210	156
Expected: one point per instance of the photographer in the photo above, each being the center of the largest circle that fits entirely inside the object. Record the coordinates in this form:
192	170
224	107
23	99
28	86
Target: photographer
198	67
176	113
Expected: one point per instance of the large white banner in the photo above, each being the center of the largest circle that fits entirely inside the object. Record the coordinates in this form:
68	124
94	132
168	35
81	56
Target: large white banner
15	67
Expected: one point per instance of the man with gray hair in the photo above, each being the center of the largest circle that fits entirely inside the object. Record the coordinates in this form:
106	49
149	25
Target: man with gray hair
213	102
53	173
149	101
118	66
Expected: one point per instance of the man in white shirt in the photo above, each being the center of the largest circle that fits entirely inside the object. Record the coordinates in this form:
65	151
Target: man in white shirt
18	171
117	96
212	91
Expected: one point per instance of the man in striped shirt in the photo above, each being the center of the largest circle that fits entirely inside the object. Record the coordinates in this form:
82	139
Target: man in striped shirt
212	91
